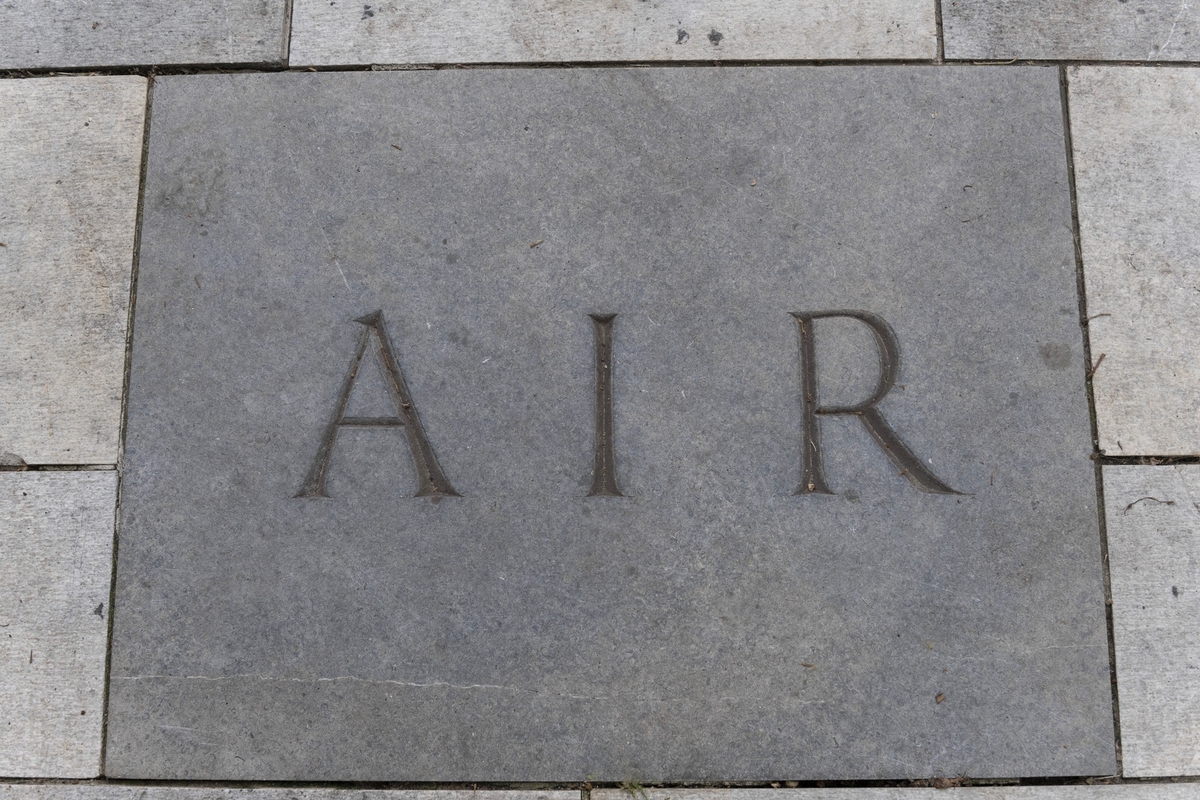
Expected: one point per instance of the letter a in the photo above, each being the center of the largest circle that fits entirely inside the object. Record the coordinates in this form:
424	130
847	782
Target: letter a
813	479
431	481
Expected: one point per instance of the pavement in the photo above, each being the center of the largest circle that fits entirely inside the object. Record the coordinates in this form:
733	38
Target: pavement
798	400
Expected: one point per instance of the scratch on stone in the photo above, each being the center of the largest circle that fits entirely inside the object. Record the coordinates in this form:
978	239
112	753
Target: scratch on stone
1183	6
442	685
228	24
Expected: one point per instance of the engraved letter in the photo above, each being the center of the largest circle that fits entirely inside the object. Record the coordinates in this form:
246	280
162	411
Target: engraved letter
813	479
604	473
431	482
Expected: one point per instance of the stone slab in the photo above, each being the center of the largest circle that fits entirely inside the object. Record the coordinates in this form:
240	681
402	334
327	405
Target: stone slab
1144	30
117	792
1136	135
1153	516
57	34
462	31
1155	791
56	534
1136	791
69	177
708	624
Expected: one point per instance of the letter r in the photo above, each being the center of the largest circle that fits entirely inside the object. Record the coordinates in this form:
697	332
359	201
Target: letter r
813	479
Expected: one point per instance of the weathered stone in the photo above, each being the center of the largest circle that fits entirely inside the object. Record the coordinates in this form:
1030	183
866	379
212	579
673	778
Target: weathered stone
463	31
289	610
100	33
1132	791
1155	791
1154	561
117	792
56	536
1137	168
1146	30
69	177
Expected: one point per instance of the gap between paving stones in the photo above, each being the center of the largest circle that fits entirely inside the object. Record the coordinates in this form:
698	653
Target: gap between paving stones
941	38
133	276
1091	400
152	70
630	789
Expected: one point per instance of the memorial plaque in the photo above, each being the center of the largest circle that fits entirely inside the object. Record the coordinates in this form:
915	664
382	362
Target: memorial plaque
623	424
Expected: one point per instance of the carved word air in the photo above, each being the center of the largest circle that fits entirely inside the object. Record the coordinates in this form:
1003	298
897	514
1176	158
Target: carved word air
432	481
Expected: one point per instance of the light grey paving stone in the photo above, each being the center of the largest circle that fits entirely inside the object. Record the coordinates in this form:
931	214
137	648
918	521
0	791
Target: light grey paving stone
101	33
56	536
709	623
1153	518
69	178
463	31
1149	791
116	792
1113	30
1136	136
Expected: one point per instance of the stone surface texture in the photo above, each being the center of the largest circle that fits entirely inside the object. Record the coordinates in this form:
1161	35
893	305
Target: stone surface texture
1143	30
104	33
114	792
1153	518
1136	136
69	178
56	536
463	31
1117	792
1156	791
708	625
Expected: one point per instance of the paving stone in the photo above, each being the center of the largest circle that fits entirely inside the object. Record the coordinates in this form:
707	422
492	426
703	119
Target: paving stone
1156	791
1144	791
462	31
1136	135
607	570
1153	518
116	792
1143	30
56	534
69	177
104	33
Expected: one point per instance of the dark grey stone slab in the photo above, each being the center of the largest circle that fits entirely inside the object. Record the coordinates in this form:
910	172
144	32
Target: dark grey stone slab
709	624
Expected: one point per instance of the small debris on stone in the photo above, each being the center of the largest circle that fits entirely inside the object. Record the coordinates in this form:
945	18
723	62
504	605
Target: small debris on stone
12	462
940	697
1151	499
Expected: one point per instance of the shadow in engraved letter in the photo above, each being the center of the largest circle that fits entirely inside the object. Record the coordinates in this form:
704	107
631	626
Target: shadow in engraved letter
604	473
431	481
813	479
